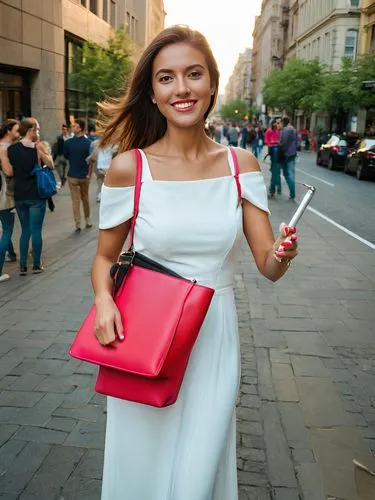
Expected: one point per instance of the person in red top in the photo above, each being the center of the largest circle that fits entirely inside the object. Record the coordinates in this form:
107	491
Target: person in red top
272	139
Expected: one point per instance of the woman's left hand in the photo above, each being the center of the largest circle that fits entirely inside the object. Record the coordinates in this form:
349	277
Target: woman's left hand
285	247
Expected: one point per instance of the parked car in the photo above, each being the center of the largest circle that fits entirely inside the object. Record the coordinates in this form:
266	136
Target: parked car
333	153
361	159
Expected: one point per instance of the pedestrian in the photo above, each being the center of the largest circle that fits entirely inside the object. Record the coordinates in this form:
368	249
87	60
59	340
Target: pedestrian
9	133
288	146
61	163
191	221
77	151
233	135
272	140
91	132
244	133
31	209
256	142
218	133
99	161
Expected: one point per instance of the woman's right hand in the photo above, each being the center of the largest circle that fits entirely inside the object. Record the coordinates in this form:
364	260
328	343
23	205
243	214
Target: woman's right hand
108	325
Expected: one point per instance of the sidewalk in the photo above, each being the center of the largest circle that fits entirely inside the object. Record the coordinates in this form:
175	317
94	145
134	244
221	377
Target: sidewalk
307	400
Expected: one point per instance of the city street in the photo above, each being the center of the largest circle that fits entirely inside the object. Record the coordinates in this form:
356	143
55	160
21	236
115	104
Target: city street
306	407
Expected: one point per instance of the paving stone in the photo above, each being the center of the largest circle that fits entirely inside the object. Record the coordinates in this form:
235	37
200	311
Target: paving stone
311	481
303	455
308	366
248	414
40	435
23	467
57	351
285	494
293	423
90	465
21	399
281	472
53	473
81	488
7	431
251	478
8	452
87	435
320	403
250	401
249	493
253	428
266	390
38	366
61	424
26	382
90	413
308	343
284	384
335	450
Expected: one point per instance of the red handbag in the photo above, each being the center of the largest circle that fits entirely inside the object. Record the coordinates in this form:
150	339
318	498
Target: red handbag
161	314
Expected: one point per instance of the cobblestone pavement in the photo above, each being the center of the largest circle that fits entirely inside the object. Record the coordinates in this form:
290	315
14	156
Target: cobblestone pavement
307	402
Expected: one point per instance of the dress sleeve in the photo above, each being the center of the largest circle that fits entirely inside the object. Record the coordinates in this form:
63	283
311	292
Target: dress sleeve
116	206
254	189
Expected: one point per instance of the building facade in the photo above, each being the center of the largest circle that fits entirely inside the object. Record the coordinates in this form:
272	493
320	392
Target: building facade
267	46
307	29
367	27
38	41
327	30
239	83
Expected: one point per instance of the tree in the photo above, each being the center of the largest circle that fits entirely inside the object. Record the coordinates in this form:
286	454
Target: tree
341	91
294	87
100	71
365	70
234	110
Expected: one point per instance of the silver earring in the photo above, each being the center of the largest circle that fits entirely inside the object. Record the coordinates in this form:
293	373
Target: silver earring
154	100
212	91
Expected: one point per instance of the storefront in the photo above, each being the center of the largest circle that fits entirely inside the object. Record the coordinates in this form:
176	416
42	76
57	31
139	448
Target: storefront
14	93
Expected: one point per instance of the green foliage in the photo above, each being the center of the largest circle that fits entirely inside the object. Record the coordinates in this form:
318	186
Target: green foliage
102	71
234	110
308	86
294	87
365	70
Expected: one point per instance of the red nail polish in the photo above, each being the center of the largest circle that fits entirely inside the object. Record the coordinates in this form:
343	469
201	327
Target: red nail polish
286	244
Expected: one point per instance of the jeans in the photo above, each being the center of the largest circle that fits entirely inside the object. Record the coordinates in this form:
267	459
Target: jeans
255	149
79	190
31	214
275	172
288	167
7	222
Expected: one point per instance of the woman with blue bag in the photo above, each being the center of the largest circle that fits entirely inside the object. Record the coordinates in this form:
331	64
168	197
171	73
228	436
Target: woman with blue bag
30	202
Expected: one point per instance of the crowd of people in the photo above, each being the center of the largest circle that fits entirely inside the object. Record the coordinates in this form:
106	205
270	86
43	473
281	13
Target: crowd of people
74	156
280	138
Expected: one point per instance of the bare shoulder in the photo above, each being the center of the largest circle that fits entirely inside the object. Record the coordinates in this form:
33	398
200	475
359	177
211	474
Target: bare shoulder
247	161
121	172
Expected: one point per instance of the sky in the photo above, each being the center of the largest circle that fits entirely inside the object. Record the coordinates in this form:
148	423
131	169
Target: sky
227	25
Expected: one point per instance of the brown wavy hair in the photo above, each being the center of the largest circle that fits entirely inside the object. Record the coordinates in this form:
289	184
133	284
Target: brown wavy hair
133	121
7	126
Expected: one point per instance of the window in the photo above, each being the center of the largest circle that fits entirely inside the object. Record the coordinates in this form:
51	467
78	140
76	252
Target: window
113	13
351	44
128	26
94	6
354	3
105	10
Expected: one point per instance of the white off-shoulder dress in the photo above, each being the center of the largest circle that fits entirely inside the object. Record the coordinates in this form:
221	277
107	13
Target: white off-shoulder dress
186	451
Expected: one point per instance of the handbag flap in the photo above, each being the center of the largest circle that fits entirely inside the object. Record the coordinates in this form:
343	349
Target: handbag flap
151	305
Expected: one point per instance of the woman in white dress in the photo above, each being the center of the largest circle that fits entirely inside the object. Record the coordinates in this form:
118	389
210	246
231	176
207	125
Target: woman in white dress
189	220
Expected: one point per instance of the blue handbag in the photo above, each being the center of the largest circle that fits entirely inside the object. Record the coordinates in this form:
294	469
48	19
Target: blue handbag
46	182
